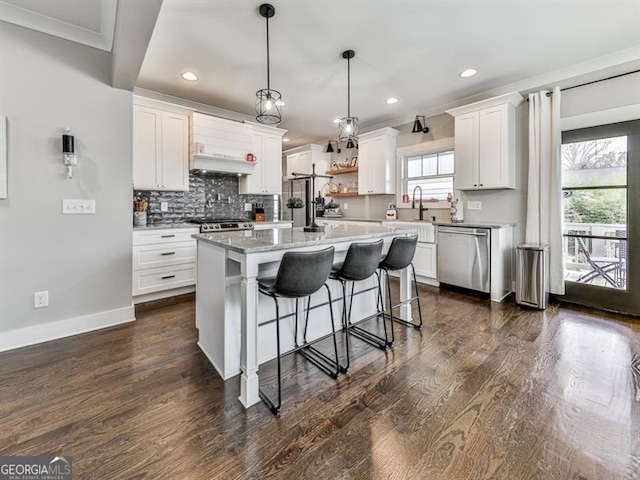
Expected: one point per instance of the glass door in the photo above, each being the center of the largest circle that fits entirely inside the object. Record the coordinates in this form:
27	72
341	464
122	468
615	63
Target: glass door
601	190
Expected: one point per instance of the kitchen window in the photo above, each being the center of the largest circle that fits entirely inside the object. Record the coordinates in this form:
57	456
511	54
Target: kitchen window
433	172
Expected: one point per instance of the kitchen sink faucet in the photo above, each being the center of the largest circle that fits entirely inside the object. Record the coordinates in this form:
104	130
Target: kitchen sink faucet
420	207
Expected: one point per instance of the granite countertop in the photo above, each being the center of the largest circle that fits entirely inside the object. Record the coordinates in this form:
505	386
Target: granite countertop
476	224
157	226
253	241
353	219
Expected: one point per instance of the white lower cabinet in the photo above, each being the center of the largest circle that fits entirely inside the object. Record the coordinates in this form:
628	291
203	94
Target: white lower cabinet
164	263
425	260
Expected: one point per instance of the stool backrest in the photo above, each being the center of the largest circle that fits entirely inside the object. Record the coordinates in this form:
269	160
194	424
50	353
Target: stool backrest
303	273
361	261
401	253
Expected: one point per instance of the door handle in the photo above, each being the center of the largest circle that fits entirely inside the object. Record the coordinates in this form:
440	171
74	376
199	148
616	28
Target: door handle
454	232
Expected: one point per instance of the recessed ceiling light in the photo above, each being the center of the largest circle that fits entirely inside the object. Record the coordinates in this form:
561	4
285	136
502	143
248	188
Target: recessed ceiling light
392	100
280	103
336	120
285	139
189	76
469	72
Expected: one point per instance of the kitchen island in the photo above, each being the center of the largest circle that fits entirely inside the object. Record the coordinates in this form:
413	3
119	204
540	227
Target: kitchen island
236	325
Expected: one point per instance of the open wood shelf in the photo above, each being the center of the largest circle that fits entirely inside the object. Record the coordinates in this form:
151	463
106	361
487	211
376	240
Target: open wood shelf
348	194
340	171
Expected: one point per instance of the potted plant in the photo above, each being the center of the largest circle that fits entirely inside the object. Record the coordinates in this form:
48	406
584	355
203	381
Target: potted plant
295	202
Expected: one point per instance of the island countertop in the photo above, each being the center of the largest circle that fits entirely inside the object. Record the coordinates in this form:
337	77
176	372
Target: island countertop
252	241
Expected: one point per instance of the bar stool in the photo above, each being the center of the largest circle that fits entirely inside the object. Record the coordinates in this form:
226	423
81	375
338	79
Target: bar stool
399	257
360	263
300	275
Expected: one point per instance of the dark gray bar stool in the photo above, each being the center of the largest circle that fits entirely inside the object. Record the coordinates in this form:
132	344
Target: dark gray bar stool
360	263
399	257
300	275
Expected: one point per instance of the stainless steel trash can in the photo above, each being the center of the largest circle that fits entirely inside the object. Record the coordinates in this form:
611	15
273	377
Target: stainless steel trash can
532	275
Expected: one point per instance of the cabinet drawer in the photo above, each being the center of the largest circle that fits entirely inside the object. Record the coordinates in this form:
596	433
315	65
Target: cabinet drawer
151	256
163	278
170	235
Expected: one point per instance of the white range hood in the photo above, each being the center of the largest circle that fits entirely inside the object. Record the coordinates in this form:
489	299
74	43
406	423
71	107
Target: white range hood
220	146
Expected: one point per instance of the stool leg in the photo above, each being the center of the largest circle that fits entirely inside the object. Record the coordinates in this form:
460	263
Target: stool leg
344	324
295	328
275	408
393	335
315	356
363	334
416	297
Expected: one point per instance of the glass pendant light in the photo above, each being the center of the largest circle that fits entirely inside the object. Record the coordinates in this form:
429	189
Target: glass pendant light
268	101
349	127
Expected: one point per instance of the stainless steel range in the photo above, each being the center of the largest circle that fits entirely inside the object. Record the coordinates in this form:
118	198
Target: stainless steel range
209	225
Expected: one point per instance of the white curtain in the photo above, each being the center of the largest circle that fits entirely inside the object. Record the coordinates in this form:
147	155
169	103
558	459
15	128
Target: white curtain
544	200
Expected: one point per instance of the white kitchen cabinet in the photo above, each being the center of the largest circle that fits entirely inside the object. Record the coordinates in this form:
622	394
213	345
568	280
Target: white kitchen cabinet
485	143
425	260
164	263
377	162
301	159
266	178
160	149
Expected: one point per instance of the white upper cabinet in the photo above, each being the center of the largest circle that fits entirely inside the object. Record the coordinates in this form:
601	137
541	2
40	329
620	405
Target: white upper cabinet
485	143
377	162
160	149
266	178
301	159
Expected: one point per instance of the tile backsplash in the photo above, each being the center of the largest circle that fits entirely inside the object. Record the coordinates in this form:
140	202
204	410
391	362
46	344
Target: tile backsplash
208	197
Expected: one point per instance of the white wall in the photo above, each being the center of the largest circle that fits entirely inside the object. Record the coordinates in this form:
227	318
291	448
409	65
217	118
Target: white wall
47	84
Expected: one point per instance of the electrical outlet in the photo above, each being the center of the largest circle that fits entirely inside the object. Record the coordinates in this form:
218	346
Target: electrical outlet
164	206
474	205
345	206
78	207
248	207
41	299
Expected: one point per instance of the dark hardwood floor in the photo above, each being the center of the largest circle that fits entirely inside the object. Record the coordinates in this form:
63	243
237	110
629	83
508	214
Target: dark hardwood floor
483	391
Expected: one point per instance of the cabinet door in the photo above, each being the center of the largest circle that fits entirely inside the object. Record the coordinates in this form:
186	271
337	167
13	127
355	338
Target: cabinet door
253	183
147	127
365	169
272	167
293	164
424	260
466	151
493	153
175	151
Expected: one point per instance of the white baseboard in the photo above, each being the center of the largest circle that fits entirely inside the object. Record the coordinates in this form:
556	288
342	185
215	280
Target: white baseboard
23	337
215	365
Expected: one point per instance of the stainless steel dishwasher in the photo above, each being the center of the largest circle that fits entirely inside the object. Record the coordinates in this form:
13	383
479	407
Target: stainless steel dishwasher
464	256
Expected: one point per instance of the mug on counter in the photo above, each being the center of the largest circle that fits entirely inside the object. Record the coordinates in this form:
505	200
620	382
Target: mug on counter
405	198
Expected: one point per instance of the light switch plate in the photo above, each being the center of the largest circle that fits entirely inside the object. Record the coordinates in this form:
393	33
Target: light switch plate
164	206
474	205
78	206
248	207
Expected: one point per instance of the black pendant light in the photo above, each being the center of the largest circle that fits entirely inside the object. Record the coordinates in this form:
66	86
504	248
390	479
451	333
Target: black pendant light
268	101
348	128
330	148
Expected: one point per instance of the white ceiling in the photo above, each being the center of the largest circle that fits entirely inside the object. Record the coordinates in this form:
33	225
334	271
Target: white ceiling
409	49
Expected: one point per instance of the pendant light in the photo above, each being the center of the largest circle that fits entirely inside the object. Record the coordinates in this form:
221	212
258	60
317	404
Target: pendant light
417	125
268	101
348	128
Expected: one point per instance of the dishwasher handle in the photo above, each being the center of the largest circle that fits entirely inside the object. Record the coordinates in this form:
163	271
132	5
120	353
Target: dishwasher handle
459	231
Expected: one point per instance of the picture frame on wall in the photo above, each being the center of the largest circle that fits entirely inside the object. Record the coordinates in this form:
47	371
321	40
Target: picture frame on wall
3	158
354	162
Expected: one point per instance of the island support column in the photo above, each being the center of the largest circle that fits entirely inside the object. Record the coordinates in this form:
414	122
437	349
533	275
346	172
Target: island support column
405	294
249	353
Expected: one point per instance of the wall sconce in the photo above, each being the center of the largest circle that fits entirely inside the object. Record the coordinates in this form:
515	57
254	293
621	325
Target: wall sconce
69	153
417	125
330	147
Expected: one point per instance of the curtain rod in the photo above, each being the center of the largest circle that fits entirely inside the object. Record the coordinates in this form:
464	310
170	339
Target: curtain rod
595	81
